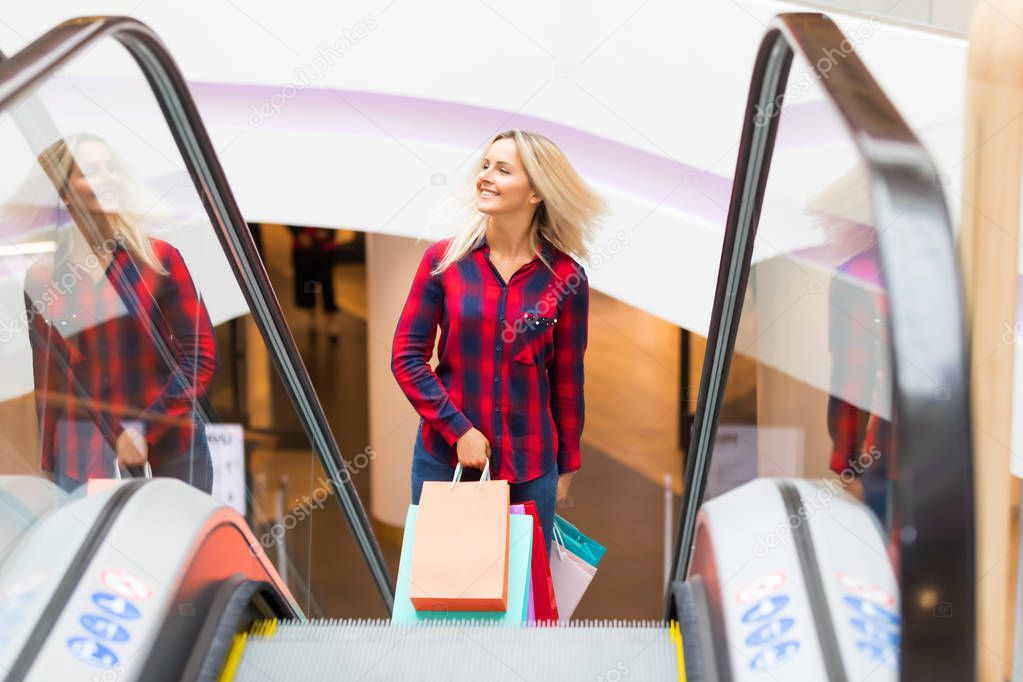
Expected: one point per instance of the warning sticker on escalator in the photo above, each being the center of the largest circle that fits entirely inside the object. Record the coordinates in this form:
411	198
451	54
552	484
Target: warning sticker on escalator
126	585
760	587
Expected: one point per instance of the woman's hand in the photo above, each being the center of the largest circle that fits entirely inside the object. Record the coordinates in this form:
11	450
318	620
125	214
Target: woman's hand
132	449
855	488
473	449
564	481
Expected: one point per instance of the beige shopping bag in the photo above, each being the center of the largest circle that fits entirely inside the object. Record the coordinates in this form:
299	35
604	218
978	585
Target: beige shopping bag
460	549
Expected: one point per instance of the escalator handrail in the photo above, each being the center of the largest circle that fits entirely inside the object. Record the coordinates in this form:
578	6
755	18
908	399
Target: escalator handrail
933	490
30	67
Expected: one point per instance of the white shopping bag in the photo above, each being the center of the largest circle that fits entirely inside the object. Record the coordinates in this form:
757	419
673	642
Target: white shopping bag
571	577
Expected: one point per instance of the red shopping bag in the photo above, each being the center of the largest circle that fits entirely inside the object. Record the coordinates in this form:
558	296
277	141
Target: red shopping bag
545	605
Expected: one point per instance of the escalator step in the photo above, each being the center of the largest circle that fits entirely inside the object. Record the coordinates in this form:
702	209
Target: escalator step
376	649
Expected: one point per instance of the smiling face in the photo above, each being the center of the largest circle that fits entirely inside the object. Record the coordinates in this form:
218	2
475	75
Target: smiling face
502	185
95	179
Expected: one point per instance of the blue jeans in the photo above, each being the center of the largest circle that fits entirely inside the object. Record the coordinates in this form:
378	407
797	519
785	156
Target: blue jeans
543	490
876	494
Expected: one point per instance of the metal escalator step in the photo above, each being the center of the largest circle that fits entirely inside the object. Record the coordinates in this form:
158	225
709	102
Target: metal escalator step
377	650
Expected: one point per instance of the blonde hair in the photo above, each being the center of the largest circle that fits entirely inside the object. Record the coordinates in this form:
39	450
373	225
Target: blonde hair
58	162
566	217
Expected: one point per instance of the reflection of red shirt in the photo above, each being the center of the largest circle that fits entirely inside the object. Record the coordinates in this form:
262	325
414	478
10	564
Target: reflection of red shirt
857	338
104	331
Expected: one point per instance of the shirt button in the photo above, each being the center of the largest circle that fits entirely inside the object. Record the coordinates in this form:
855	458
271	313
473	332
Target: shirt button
496	379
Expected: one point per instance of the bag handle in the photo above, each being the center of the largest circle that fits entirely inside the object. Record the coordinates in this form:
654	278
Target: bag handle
484	477
147	470
559	540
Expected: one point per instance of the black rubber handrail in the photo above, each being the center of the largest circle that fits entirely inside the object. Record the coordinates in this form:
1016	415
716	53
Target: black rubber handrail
30	67
933	491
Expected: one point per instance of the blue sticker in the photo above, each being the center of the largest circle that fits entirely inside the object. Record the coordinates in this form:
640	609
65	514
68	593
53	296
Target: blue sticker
881	654
877	631
768	632
118	607
92	652
765	608
774	656
104	628
872	611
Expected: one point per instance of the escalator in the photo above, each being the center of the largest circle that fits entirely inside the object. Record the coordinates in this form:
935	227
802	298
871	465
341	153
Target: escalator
827	536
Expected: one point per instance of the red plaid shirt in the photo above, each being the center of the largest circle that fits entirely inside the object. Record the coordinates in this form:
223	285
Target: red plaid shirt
857	338
100	335
510	360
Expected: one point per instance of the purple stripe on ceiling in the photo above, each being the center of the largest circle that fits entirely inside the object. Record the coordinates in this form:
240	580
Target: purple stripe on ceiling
680	187
675	185
693	191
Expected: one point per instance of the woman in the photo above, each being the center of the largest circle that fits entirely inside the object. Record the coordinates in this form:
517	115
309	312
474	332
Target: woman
123	348
512	306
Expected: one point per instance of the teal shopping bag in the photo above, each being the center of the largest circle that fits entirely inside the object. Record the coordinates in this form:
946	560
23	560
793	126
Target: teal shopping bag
573	540
520	551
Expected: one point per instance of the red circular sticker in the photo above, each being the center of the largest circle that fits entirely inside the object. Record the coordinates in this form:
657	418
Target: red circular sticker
125	585
758	588
865	590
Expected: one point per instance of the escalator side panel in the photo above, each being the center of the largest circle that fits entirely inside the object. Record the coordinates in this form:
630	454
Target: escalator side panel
760	612
857	580
136	578
35	582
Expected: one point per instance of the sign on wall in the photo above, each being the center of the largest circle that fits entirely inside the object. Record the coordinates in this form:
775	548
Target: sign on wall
227	449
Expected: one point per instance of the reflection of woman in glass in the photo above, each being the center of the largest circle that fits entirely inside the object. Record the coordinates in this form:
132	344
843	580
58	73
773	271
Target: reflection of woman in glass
123	348
863	452
512	307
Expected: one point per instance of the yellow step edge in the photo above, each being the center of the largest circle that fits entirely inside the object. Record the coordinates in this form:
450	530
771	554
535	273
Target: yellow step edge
234	658
261	628
675	632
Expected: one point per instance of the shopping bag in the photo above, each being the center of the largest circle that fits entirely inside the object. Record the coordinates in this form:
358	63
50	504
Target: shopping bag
545	604
570	574
460	553
583	547
98	485
531	609
519	556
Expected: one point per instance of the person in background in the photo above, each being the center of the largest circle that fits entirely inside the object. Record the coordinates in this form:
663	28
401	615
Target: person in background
312	257
512	306
122	346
